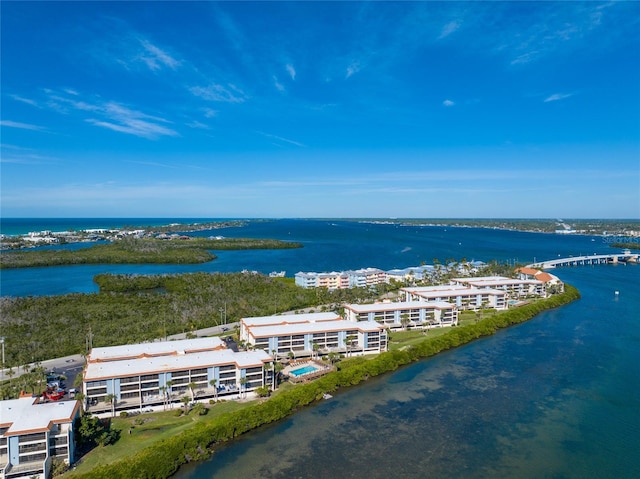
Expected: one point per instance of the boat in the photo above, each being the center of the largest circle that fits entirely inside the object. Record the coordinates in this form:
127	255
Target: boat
326	396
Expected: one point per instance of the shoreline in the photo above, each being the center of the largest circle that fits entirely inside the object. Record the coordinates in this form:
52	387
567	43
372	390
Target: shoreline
164	459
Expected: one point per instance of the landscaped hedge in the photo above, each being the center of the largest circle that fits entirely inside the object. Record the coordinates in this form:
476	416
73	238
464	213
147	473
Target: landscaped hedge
163	459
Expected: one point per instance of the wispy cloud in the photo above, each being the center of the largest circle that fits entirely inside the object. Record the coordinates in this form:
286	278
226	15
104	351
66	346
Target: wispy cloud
113	116
209	112
449	28
557	96
285	140
156	58
352	69
291	71
133	122
198	125
22	99
22	126
448	103
219	93
279	86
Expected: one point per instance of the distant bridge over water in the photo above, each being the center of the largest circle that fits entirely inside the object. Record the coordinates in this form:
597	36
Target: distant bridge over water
624	257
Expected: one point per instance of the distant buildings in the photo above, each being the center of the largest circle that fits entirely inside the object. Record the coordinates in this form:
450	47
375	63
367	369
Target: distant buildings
33	434
339	280
366	277
141	375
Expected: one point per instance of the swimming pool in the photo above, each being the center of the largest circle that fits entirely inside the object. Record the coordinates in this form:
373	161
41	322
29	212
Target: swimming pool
303	370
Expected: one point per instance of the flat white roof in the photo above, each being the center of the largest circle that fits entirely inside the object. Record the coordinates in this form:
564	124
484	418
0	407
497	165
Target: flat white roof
442	287
161	364
303	328
24	415
367	308
496	281
290	319
114	353
464	291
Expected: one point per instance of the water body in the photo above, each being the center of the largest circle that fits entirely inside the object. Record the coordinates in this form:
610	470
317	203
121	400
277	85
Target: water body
556	397
328	246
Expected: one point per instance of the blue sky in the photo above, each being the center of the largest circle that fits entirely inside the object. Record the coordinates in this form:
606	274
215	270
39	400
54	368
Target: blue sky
311	109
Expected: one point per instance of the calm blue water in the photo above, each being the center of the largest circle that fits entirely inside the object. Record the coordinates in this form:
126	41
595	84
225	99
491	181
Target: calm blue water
328	246
557	397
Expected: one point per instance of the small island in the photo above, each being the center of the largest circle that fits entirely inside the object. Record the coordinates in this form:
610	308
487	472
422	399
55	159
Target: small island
178	249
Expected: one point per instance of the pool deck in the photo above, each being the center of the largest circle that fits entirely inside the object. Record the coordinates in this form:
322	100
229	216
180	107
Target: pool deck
321	370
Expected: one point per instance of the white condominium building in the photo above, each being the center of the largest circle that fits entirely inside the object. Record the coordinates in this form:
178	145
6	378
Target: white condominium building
305	334
149	374
33	434
282	320
514	287
411	314
463	297
340	280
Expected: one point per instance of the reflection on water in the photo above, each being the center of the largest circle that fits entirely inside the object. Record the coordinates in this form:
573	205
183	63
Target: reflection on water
549	398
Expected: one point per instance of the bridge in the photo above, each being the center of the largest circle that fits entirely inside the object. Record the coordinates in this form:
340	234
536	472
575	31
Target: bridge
625	257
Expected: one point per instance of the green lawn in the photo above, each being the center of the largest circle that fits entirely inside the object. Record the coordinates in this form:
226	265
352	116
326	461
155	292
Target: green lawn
156	427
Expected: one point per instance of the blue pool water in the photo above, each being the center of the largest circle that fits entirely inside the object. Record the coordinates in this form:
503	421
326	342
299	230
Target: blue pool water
303	370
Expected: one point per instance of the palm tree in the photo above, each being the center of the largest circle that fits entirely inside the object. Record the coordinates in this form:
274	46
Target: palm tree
169	392
213	383
191	387
163	391
111	399
316	347
277	368
268	367
185	401
80	398
404	320
243	384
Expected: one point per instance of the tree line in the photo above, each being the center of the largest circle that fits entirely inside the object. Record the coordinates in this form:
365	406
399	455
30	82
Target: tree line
132	250
132	309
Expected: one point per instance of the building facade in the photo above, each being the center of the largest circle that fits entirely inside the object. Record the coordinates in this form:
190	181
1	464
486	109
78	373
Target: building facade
34	434
406	314
307	334
515	288
463	297
143	375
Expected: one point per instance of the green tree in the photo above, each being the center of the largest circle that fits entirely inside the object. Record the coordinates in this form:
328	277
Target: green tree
111	400
192	387
214	384
243	385
185	400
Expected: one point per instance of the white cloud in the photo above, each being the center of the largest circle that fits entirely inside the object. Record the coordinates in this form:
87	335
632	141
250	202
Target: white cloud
557	96
279	86
291	71
216	92
113	116
352	69
209	112
28	101
155	58
449	28
448	103
22	126
198	125
279	138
